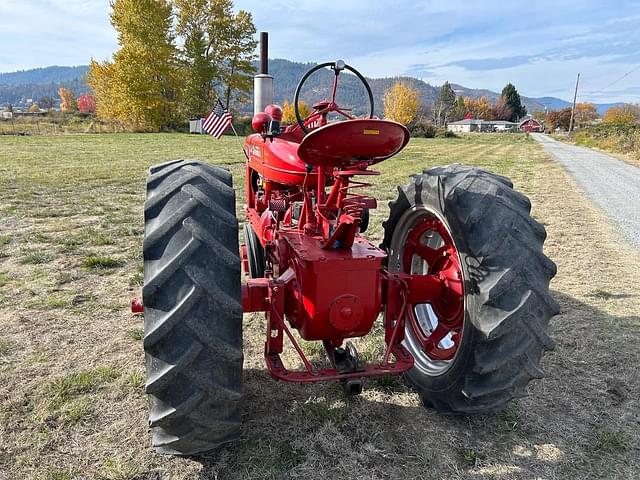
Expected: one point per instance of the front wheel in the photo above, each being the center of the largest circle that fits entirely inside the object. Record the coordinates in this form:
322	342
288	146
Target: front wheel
478	346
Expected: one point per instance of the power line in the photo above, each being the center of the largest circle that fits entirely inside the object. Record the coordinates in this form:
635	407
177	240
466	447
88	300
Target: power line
615	81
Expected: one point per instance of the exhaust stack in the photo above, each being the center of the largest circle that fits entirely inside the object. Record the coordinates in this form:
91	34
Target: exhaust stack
263	82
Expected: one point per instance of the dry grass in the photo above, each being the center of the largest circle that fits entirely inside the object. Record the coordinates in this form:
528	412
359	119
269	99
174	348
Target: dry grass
71	398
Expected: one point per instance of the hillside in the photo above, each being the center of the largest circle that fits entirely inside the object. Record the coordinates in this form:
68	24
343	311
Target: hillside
17	87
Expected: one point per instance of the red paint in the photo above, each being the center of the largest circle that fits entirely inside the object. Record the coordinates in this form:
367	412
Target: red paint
323	278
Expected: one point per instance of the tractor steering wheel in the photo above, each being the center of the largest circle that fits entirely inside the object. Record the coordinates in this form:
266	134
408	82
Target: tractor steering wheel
321	109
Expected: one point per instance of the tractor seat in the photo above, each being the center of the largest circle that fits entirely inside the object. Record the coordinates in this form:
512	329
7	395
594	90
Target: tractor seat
346	143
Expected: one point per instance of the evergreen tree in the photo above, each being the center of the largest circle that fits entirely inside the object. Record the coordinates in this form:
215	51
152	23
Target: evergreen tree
445	102
139	88
513	100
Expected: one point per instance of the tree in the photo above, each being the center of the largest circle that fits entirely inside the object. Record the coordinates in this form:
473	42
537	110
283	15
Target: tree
445	102
558	119
87	103
401	103
626	114
480	108
34	108
218	53
289	114
239	54
140	86
67	100
585	113
459	110
47	102
502	110
513	100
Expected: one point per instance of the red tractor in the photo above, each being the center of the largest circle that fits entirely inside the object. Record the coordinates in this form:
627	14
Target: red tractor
460	282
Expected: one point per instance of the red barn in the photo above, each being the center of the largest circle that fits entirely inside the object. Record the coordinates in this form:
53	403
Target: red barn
530	125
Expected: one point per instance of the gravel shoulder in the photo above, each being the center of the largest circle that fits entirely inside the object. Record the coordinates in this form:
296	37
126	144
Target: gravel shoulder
609	182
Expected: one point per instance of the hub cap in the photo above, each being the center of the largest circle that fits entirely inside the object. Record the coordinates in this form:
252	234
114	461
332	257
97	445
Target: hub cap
422	245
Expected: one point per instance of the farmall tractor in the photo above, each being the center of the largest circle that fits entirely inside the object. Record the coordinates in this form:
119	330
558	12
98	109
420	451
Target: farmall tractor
459	282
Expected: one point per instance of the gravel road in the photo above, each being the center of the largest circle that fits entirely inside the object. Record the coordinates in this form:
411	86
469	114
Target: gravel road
611	183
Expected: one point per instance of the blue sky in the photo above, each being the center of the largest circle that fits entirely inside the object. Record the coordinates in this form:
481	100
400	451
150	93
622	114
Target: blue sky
539	46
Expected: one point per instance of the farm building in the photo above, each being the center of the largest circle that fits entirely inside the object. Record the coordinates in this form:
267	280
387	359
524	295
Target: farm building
531	125
472	125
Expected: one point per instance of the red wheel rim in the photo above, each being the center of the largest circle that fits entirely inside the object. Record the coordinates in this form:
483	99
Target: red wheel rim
430	250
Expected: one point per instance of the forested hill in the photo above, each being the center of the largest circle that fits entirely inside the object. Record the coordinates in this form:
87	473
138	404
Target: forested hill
17	87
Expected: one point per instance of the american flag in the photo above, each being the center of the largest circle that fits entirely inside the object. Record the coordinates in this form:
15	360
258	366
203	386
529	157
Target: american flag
217	121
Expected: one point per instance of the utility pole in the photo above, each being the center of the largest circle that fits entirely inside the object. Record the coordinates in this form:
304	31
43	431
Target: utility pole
573	109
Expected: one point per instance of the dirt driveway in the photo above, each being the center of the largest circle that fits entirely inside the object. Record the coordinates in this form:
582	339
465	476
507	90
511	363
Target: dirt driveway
611	183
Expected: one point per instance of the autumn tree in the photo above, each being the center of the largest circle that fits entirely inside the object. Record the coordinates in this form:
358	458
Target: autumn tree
626	114
34	108
87	103
513	100
502	110
558	119
444	104
238	54
480	108
401	103
217	54
67	100
140	86
289	114
585	113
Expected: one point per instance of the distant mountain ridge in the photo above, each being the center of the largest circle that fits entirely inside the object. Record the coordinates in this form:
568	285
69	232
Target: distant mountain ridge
18	87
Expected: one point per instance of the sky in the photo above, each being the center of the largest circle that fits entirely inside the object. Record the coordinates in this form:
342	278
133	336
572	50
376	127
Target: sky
538	45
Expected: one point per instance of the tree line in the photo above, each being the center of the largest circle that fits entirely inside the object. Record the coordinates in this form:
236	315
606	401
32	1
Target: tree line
402	104
175	57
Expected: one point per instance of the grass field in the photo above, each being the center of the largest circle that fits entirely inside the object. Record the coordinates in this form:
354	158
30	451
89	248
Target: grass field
72	403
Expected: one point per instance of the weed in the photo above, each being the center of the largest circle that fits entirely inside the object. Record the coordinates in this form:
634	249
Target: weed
37	257
66	388
510	416
54	301
136	280
612	441
99	262
135	380
77	410
4	279
136	334
469	455
5	240
64	278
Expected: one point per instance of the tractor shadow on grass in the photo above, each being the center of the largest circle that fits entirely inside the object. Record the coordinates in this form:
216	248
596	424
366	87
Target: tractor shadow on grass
578	419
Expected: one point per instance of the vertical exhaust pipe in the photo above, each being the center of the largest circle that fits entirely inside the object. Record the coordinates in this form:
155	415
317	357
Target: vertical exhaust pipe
263	82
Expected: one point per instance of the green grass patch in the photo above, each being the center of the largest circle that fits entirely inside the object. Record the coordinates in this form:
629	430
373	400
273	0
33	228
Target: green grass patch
5	240
64	389
101	262
612	441
36	257
136	334
4	278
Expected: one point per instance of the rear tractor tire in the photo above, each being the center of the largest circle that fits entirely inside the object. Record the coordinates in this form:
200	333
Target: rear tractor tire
192	310
469	224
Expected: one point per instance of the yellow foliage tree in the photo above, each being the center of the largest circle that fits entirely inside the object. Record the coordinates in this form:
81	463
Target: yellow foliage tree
289	114
67	100
139	88
625	115
585	113
480	108
401	103
34	108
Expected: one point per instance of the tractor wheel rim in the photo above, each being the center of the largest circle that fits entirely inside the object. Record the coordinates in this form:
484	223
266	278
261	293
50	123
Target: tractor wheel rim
424	245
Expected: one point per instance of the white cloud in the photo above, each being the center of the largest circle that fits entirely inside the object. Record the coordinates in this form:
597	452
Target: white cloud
539	46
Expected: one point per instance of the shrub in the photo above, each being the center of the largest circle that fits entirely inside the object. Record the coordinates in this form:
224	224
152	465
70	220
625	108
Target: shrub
423	130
